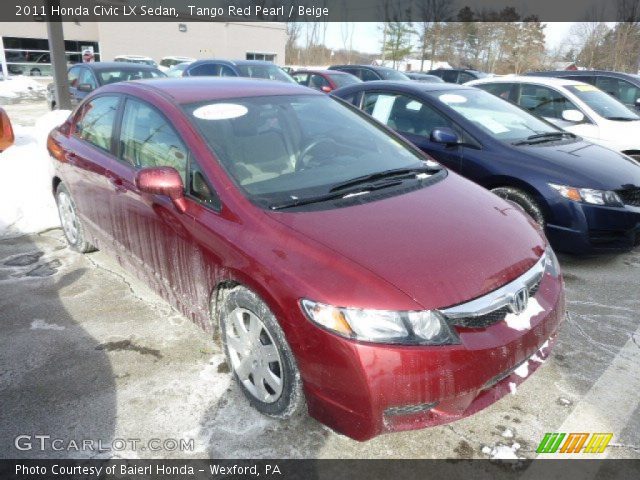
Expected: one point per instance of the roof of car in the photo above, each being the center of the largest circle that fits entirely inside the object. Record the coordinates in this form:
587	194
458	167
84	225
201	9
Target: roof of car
407	85
550	81
372	67
320	71
199	89
115	65
581	72
234	62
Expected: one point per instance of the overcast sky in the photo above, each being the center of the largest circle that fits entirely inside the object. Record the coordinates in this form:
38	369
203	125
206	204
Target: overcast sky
366	36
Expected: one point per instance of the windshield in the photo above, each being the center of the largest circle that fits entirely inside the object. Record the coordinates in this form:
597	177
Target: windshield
391	74
498	118
284	148
344	79
270	72
602	103
115	75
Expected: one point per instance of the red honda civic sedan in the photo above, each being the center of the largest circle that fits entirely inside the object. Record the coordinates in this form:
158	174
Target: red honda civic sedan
344	271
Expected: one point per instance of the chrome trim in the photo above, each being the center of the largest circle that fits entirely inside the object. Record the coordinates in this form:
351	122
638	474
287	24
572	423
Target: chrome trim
500	298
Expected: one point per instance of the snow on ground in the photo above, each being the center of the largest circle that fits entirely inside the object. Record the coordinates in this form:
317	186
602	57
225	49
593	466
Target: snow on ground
502	452
21	86
26	202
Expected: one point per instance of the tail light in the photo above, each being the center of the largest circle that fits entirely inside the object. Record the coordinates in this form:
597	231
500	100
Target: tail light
55	150
6	131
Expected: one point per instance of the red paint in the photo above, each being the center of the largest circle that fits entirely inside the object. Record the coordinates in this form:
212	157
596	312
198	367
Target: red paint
431	248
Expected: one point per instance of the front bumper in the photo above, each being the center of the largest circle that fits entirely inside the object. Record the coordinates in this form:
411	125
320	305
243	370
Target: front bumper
582	228
363	390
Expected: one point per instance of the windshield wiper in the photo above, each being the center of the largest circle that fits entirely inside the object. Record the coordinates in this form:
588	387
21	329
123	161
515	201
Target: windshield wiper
333	196
396	173
543	137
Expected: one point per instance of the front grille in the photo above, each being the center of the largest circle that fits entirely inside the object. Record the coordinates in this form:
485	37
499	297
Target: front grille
630	196
494	306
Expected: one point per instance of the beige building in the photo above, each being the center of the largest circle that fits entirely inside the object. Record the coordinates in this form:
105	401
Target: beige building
25	47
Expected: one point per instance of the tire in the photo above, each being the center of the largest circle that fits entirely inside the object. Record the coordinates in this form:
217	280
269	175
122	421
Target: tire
258	354
524	200
71	225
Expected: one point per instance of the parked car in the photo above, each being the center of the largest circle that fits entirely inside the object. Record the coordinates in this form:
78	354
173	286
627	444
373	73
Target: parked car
138	59
624	86
324	80
423	77
457	75
368	73
177	70
256	209
237	68
86	77
577	107
586	196
167	63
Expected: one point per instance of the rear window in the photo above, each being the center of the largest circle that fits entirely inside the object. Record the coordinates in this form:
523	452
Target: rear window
270	72
343	80
116	75
391	74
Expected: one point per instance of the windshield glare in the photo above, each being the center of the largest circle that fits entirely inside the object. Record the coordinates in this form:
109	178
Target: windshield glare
284	148
602	103
270	72
498	118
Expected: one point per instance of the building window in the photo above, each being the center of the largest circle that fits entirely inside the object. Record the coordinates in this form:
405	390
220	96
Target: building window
267	57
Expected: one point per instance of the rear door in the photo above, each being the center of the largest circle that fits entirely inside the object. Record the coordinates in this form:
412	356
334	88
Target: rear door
414	119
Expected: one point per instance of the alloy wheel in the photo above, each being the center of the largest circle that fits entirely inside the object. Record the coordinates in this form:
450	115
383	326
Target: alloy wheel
68	217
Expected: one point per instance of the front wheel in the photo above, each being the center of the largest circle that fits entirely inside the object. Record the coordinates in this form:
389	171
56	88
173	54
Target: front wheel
259	355
524	200
71	225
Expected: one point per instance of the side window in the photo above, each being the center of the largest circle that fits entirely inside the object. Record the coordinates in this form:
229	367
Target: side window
317	82
147	139
74	73
205	69
226	71
465	77
404	114
620	89
87	77
450	76
368	75
95	121
544	101
200	189
501	90
302	78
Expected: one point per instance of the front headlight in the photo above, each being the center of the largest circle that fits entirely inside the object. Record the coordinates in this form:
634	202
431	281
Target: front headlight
589	195
382	326
551	265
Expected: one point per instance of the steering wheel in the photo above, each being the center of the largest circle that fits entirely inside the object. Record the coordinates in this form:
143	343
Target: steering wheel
300	163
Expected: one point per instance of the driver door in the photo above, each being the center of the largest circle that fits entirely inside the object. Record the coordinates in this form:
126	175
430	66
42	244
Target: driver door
415	120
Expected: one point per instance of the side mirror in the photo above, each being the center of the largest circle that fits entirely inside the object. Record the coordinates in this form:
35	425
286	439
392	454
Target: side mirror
85	87
574	116
445	135
637	102
6	131
163	181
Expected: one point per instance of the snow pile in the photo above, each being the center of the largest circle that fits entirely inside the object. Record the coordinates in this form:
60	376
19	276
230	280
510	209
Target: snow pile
26	201
21	86
502	452
39	324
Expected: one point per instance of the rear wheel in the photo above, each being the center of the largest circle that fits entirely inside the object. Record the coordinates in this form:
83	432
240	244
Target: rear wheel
71	225
259	355
524	200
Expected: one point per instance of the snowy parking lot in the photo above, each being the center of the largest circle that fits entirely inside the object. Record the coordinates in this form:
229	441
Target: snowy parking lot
89	353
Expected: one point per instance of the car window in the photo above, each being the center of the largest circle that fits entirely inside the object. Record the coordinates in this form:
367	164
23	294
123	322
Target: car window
501	90
621	89
268	71
317	82
74	74
226	71
343	80
86	76
125	74
602	103
544	101
368	75
450	76
200	188
205	69
404	114
95	121
465	77
148	140
301	78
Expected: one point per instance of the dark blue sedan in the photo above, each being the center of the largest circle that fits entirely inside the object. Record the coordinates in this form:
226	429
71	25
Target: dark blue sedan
586	196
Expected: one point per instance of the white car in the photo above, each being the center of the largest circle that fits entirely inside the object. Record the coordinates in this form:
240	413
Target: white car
167	63
136	59
576	107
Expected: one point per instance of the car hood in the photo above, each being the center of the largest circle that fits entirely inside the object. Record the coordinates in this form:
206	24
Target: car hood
441	245
584	164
